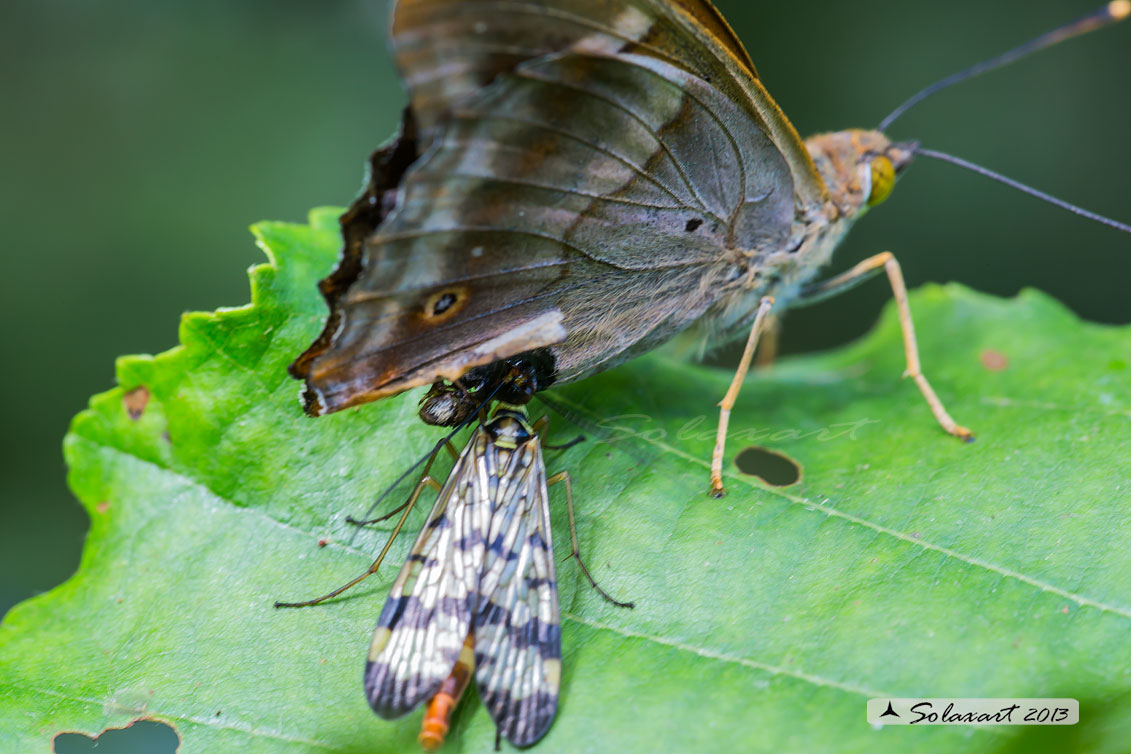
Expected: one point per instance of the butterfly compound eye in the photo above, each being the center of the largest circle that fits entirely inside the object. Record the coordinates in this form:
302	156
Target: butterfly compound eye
883	179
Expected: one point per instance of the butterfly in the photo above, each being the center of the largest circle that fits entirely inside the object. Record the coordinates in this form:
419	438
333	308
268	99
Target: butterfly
576	182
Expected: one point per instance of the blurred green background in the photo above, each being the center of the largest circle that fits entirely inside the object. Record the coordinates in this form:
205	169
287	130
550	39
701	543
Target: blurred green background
142	138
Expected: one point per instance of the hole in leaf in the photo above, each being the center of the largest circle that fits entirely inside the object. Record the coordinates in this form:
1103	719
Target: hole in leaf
140	737
769	466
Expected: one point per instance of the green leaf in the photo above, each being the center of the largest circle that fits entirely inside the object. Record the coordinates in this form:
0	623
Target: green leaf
905	563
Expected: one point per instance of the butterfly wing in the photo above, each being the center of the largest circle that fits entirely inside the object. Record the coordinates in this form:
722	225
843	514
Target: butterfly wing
570	205
516	624
387	167
590	202
428	614
449	49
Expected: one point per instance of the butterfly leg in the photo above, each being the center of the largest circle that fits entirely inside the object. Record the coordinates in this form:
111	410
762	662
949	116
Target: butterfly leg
863	271
769	343
760	322
426	481
575	552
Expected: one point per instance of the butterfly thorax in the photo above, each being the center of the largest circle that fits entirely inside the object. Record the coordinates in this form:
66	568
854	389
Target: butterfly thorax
859	169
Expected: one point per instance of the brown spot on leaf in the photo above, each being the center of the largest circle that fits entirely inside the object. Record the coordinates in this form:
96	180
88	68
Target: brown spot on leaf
103	506
995	361
135	401
323	542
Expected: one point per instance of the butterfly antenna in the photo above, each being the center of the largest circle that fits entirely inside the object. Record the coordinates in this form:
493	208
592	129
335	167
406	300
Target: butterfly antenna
435	449
1109	14
944	157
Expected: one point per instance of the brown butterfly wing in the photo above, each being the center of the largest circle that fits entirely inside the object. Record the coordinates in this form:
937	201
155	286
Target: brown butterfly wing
593	202
447	50
387	167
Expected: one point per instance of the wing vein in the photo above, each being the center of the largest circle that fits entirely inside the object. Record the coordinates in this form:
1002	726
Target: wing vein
420	232
525	73
363	296
640	172
541	13
555	189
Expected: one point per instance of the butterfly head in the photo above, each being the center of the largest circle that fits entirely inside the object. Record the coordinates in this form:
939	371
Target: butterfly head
859	167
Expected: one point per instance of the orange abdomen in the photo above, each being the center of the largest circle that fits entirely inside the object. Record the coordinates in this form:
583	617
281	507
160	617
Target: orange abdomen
438	715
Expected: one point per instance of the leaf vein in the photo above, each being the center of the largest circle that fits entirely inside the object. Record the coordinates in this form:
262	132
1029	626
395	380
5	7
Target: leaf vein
829	510
816	680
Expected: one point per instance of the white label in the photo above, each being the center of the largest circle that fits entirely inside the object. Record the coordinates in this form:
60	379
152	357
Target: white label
958	711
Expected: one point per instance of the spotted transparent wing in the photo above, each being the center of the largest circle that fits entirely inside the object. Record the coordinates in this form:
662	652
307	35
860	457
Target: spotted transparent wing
517	628
427	616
